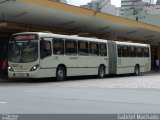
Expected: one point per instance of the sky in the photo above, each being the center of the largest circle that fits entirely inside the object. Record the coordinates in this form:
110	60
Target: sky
117	3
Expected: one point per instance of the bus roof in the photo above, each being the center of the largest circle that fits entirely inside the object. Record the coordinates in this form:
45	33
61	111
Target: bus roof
134	44
49	34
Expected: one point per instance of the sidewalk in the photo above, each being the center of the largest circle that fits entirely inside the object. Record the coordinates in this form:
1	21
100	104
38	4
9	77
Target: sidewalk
153	72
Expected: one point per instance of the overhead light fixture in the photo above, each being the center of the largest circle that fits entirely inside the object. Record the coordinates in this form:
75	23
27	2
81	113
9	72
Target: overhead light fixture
149	36
131	32
67	23
104	28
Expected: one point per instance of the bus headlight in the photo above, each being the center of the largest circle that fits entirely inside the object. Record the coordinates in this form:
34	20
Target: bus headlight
34	68
10	68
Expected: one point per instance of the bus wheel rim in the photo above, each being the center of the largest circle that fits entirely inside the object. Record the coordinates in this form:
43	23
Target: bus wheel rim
60	73
101	72
137	71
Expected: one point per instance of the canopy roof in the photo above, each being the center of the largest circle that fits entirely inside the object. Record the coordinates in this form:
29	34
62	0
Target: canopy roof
53	15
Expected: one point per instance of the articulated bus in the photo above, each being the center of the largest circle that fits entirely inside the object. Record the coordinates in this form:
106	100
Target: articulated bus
40	55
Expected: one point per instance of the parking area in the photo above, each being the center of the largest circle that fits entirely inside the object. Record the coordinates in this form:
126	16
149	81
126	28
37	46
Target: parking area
146	80
86	95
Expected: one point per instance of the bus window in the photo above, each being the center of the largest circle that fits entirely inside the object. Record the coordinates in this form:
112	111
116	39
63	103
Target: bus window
129	51
146	52
139	52
83	48
132	51
45	49
71	47
125	51
94	49
119	51
103	49
58	46
23	52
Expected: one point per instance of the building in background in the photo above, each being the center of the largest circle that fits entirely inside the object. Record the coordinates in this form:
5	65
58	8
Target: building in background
149	1
141	11
130	7
158	2
104	6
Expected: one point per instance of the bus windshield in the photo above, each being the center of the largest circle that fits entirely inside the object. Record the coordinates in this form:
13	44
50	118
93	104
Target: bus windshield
23	51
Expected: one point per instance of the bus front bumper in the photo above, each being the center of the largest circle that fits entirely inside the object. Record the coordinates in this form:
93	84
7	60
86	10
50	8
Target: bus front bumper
22	75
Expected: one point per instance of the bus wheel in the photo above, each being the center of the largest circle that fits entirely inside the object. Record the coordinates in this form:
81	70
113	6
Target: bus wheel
136	70
101	72
61	73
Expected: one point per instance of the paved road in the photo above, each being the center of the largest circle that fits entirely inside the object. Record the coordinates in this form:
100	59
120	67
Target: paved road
122	94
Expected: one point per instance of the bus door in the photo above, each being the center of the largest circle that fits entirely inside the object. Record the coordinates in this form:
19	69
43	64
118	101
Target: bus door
112	57
46	61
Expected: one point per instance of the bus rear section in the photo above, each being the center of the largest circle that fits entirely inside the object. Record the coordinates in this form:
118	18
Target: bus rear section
133	58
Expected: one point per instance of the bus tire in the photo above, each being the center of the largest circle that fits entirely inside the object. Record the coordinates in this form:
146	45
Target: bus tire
101	71
137	70
60	73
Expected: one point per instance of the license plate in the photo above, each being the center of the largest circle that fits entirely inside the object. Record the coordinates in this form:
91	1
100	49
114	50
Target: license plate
21	75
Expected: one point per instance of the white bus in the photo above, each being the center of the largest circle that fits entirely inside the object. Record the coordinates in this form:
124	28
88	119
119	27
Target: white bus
40	55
